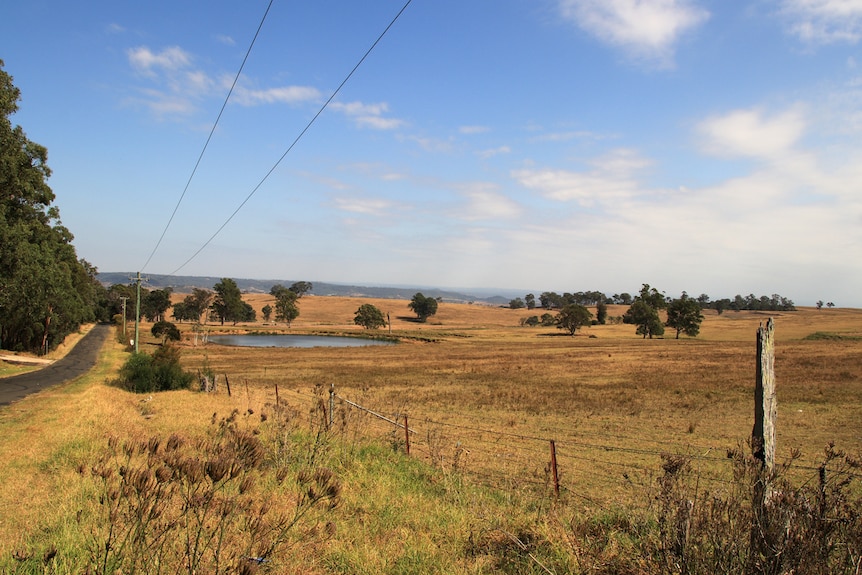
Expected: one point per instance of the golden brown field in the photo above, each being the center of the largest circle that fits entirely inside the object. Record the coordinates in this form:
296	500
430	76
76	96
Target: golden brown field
484	397
480	389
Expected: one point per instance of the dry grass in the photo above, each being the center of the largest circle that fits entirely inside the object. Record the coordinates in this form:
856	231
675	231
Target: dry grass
483	395
612	401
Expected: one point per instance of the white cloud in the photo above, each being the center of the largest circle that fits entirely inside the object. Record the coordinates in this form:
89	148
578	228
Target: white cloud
750	133
824	21
486	154
283	95
226	40
145	60
364	206
648	29
368	115
610	181
485	203
470	130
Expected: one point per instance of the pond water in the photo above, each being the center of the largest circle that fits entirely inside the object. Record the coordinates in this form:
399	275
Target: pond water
294	341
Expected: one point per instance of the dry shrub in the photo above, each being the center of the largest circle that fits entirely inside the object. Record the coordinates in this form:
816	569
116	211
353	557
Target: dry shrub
215	504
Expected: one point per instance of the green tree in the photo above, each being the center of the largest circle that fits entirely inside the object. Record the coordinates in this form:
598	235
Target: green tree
300	288
155	304
267	312
165	330
530	300
684	316
45	291
423	307
516	303
228	304
602	313
572	317
645	317
199	302
643	312
369	317
286	307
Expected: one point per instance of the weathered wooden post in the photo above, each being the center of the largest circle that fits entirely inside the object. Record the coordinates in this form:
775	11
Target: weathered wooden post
331	404
763	434
763	447
406	435
554	472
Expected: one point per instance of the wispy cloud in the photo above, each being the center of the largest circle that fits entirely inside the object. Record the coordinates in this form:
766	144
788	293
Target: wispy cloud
364	206
751	133
611	180
148	62
484	202
282	94
824	21
646	29
487	154
368	115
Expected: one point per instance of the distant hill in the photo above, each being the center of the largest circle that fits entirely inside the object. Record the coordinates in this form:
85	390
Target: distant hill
184	284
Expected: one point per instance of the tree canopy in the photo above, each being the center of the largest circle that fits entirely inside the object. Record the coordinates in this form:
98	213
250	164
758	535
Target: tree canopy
684	316
572	317
423	307
369	317
45	291
228	304
286	307
643	312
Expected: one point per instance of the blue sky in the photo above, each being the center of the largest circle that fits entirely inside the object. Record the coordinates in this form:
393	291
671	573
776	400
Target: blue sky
538	145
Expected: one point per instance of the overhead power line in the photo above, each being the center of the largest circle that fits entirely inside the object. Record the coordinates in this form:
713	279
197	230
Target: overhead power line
296	140
207	143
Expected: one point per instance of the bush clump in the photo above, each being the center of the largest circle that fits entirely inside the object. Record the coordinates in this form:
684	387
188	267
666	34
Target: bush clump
143	373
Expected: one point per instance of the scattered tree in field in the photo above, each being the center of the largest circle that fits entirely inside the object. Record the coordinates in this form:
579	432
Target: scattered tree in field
165	330
684	316
531	321
267	312
644	312
551	300
46	292
572	317
530	301
155	304
286	306
548	320
228	304
423	307
602	313
517	303
369	317
301	288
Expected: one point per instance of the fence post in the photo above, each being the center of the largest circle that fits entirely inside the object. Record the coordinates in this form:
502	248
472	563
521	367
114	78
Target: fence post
406	435
276	395
227	383
331	404
763	447
763	434
554	473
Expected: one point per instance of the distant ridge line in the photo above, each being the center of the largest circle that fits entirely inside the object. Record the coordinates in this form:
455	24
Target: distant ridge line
184	284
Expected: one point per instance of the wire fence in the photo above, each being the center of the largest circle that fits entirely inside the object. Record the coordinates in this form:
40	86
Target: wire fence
597	470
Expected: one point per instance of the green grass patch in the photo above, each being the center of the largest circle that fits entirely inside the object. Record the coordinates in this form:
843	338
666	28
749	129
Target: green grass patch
831	336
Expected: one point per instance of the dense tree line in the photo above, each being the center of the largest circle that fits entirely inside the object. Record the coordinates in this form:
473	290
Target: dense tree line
46	292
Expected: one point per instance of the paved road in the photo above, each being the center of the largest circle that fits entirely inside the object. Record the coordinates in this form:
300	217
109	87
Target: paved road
78	361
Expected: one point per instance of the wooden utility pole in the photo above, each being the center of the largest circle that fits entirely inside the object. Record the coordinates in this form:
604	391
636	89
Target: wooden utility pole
125	338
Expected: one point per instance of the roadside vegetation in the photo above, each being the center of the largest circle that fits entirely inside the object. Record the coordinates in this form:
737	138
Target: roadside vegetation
106	480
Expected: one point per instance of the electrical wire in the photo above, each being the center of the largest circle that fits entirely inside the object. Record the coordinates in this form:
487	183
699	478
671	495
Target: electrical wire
207	143
296	140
